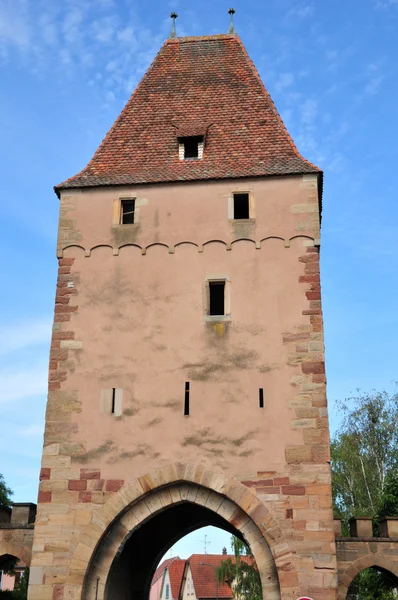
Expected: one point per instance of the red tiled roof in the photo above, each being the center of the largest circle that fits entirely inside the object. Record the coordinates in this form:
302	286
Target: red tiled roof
208	82
159	571
176	571
204	578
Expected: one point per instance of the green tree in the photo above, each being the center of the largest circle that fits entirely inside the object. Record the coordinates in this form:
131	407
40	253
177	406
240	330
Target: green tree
5	494
364	460
364	454
241	574
388	505
21	591
372	584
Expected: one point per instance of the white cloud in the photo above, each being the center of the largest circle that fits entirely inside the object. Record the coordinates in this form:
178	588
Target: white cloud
71	25
301	10
386	3
375	79
284	81
85	34
374	84
126	35
19	336
104	29
18	382
309	111
14	23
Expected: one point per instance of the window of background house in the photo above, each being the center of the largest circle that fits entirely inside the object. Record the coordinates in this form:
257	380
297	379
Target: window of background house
241	206
193	147
217	298
167	591
127	212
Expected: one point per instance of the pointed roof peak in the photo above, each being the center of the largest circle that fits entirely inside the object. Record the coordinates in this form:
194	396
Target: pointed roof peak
173	33
209	80
231	13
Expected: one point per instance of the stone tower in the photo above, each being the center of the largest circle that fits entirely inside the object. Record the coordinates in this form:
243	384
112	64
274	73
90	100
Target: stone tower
187	382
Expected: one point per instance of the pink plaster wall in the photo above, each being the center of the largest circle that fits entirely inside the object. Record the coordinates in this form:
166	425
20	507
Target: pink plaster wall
156	588
7	582
142	328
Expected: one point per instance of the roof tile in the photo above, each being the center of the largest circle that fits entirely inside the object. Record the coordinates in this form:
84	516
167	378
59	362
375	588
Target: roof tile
206	82
176	571
204	579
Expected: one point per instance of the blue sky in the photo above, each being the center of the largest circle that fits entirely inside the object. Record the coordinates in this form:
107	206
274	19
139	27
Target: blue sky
67	69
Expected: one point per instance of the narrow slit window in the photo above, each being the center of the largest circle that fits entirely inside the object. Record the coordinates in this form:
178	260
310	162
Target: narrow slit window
186	400
241	206
128	212
217	298
113	401
261	397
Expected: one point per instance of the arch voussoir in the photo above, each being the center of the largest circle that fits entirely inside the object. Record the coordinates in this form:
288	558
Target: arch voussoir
148	495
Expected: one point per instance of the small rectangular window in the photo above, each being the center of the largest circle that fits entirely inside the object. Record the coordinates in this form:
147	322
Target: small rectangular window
261	397
127	212
241	206
111	401
217	298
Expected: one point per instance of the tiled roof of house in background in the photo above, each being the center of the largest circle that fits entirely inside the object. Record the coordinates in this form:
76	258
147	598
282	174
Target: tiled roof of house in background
204	580
176	571
195	86
159	571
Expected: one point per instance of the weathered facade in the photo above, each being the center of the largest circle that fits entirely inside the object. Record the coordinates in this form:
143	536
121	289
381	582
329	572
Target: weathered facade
164	413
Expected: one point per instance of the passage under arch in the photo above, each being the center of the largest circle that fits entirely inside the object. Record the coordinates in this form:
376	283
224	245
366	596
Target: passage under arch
125	559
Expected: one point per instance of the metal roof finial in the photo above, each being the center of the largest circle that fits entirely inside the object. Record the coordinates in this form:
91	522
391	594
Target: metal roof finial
231	29
173	33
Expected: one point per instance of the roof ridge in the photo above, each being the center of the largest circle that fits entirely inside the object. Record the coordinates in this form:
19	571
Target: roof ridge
198	38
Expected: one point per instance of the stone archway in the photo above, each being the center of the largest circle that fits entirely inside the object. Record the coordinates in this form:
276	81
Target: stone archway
366	562
147	497
10	548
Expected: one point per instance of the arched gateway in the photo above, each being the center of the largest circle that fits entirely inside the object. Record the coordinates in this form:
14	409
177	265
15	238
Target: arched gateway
187	341
127	553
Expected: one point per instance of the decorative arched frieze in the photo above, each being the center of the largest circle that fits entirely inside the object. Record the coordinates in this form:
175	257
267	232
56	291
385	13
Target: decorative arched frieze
200	247
243	240
156	244
271	237
60	253
98	246
186	243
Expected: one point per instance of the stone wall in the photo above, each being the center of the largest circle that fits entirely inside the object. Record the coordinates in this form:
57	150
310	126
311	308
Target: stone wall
130	315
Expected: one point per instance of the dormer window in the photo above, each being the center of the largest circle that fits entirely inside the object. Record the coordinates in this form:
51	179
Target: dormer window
191	148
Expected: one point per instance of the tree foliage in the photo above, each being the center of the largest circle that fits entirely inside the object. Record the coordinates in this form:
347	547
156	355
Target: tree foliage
241	574
20	592
372	584
364	456
5	494
364	460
